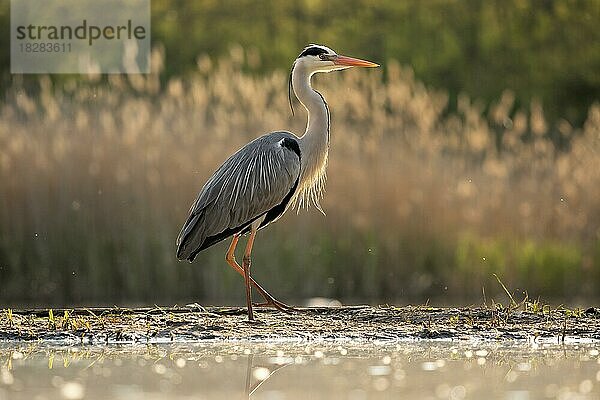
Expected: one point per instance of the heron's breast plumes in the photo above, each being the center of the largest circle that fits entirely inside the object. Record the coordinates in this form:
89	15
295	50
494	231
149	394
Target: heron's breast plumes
312	182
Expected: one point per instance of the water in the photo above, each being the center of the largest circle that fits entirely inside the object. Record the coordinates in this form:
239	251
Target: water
353	371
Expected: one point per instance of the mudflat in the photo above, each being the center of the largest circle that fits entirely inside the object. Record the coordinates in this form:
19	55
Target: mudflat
349	323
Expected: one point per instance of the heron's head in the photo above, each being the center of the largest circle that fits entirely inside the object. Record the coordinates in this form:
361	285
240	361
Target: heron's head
317	58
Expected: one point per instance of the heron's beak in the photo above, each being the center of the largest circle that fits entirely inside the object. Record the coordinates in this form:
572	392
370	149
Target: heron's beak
353	62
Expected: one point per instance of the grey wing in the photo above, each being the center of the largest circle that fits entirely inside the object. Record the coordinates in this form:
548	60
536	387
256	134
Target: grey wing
258	180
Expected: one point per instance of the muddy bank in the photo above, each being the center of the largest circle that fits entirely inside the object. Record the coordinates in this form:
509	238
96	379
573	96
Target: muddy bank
363	323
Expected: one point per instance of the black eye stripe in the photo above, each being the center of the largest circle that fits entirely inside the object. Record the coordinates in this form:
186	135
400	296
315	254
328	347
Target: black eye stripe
313	51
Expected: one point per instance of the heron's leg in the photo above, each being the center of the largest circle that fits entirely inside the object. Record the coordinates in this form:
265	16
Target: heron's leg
269	299
246	262
230	256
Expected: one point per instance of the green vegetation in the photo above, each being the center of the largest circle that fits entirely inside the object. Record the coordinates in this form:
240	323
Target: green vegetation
421	203
538	49
546	267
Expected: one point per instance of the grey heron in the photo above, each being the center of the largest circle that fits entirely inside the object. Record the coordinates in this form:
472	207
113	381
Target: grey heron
256	185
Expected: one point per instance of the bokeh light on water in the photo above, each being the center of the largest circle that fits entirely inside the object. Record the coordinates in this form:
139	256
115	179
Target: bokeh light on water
410	370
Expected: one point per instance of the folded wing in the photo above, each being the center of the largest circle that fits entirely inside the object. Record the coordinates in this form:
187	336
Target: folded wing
258	180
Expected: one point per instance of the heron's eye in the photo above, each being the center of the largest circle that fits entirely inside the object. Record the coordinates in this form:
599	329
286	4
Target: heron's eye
324	57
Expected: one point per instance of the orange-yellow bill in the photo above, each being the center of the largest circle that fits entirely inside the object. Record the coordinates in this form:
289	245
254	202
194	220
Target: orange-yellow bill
353	62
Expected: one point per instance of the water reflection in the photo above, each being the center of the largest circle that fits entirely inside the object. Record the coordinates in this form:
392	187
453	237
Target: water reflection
421	370
257	375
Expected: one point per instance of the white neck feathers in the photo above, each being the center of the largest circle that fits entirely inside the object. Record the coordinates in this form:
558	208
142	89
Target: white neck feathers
314	144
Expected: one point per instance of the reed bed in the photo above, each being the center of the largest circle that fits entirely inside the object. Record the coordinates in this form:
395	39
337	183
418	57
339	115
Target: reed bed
96	179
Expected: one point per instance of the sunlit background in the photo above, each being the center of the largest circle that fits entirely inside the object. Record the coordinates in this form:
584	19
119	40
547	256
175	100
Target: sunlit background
474	150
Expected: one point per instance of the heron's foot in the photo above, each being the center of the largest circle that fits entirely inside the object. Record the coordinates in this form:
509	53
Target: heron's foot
279	305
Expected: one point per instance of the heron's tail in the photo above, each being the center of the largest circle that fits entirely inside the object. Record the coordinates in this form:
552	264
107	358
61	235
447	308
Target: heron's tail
199	233
191	238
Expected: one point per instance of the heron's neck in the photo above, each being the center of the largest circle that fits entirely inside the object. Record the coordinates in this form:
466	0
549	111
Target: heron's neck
318	114
314	144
